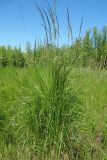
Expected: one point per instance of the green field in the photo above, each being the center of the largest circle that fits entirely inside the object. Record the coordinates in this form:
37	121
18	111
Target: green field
40	121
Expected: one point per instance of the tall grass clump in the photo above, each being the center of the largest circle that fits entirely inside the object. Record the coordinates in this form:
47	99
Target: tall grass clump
51	113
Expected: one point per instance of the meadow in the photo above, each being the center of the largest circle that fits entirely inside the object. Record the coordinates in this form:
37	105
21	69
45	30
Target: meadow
48	113
53	100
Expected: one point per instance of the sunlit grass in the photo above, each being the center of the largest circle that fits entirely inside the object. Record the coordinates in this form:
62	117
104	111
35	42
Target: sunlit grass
35	122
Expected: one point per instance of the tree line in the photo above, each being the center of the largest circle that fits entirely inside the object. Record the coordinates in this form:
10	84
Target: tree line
91	50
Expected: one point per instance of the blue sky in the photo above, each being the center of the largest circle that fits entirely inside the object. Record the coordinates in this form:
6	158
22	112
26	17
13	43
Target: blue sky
21	22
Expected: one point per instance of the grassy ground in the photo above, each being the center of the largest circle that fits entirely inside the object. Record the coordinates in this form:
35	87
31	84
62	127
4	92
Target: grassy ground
40	121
